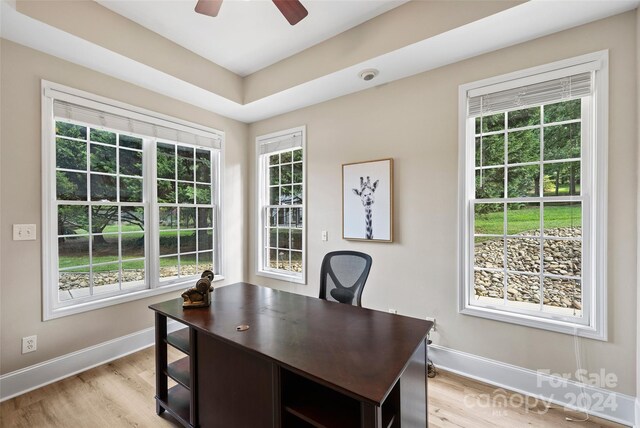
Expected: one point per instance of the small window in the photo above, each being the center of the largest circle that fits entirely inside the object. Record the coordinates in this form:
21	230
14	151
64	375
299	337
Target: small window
281	205
531	218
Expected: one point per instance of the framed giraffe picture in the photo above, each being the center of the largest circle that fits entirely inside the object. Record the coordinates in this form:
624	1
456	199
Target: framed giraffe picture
367	201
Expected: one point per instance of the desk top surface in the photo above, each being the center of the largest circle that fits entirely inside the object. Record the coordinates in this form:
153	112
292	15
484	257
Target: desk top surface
356	350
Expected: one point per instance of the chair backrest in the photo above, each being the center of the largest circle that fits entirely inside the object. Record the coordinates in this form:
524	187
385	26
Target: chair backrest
343	275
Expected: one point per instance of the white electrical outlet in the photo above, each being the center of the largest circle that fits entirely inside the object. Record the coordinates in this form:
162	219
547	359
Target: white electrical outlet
29	344
24	232
325	235
433	320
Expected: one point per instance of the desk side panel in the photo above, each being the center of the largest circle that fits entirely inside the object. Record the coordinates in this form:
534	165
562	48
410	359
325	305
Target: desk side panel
235	388
413	390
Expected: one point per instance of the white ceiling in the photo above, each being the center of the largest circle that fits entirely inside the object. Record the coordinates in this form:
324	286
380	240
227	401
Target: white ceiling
248	35
527	21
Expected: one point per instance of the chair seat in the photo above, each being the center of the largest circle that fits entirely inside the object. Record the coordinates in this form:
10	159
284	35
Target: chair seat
342	295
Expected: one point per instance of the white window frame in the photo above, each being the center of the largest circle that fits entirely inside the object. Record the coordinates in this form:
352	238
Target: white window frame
262	202
217	217
594	197
51	307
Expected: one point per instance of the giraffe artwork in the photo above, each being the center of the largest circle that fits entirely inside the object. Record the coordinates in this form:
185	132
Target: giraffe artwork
368	185
366	194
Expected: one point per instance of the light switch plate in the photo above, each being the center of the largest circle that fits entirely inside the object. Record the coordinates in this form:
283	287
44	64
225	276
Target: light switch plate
325	235
24	232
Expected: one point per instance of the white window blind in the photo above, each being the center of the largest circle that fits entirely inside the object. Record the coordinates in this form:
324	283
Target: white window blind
561	89
104	115
281	142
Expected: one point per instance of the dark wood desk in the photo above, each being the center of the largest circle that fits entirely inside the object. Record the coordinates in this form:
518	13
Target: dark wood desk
303	362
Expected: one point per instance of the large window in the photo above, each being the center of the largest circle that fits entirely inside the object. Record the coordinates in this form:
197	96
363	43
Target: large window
130	201
281	240
532	215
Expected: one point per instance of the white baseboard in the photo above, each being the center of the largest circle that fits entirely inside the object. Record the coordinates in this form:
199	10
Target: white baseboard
528	382
549	389
33	377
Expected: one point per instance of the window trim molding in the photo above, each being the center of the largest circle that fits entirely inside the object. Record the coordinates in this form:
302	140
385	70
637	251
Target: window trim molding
597	329
260	200
51	90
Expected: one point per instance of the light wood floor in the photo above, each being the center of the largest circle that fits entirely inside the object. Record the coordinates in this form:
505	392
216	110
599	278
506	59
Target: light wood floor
456	401
120	394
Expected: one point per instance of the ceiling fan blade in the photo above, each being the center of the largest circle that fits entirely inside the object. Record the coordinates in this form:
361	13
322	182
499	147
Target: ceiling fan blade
292	10
208	7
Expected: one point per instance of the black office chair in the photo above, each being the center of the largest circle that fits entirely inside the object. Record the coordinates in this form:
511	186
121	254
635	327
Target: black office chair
343	275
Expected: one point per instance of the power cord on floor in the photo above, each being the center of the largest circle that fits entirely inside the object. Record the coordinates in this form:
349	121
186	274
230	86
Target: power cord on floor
576	349
431	368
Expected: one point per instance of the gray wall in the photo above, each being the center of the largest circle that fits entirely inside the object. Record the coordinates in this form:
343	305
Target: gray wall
20	202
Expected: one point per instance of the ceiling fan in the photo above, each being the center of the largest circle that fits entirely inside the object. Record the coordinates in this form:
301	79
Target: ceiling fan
292	10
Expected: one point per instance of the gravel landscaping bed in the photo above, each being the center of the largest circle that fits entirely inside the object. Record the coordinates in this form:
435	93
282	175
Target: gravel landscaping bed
74	280
561	257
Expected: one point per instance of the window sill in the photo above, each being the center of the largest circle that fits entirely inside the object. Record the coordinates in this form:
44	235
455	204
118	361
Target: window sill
535	322
298	279
63	311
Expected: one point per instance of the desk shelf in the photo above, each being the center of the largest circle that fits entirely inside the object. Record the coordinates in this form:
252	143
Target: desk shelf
178	404
324	408
179	401
179	339
179	371
308	415
309	404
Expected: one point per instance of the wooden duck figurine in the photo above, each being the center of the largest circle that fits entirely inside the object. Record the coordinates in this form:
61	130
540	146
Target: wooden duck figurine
200	295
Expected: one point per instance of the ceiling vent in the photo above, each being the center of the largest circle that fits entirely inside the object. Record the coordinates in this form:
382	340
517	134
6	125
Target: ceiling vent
368	74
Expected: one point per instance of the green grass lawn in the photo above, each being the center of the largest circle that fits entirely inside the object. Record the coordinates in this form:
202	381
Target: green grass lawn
524	219
70	261
113	229
67	261
168	239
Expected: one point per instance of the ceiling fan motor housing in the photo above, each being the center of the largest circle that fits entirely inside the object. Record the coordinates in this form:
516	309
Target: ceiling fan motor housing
292	10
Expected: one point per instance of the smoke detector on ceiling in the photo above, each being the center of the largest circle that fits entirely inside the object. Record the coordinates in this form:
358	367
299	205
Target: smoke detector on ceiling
368	74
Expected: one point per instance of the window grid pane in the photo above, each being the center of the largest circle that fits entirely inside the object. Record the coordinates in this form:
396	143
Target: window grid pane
521	248
186	213
283	223
99	224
